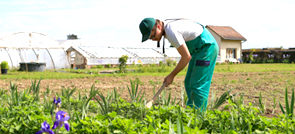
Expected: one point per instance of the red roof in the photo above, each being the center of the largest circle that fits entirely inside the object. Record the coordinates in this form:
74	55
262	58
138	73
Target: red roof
226	32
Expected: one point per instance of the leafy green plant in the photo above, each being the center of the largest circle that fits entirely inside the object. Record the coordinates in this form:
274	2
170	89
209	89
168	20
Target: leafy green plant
135	94
261	105
123	61
221	100
289	109
4	65
108	65
67	94
169	62
274	105
105	103
35	88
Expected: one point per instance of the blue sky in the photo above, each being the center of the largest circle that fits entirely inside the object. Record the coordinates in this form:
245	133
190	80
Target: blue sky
265	23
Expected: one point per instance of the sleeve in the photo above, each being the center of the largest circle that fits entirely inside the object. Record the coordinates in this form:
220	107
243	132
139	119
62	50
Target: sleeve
174	37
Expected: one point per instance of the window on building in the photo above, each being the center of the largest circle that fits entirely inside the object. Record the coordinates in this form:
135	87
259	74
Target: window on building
230	53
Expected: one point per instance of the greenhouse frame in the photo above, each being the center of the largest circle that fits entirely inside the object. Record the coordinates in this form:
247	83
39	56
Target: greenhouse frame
88	56
27	47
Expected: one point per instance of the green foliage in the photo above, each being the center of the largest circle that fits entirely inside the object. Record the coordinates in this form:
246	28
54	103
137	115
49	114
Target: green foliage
100	66
72	36
123	61
169	62
4	65
25	114
289	109
108	65
161	63
135	94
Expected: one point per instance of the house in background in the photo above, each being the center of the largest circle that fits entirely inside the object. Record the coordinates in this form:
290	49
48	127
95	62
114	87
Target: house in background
229	42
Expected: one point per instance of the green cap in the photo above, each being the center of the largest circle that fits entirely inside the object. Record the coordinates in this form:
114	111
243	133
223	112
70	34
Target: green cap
146	26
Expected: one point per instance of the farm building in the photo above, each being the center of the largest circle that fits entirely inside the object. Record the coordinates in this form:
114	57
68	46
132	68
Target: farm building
88	56
32	47
229	42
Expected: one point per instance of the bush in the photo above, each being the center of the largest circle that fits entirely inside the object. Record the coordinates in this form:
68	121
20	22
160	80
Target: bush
108	65
152	65
161	63
174	63
169	62
123	61
4	65
100	66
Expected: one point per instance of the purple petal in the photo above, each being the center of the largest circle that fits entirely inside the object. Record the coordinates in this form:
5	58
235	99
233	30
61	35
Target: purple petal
66	118
59	115
58	100
54	100
45	126
67	126
39	132
55	125
50	131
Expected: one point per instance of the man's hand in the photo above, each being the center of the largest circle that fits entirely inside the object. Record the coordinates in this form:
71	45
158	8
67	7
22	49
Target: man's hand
169	79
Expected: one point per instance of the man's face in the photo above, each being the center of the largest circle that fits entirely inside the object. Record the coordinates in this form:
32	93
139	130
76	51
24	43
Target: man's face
155	33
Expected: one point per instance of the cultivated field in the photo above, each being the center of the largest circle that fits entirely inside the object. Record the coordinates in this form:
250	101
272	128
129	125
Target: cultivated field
92	102
248	80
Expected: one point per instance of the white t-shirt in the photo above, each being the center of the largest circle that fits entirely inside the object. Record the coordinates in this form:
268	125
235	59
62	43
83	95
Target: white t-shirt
180	31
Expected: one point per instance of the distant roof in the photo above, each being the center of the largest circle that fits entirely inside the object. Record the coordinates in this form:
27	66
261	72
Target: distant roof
226	32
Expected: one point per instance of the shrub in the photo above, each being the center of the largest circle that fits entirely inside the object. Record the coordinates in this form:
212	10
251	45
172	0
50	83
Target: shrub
174	63
161	63
169	62
4	65
100	66
108	65
153	65
123	60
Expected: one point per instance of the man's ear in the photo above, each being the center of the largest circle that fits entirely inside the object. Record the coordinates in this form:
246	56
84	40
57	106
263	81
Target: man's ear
159	26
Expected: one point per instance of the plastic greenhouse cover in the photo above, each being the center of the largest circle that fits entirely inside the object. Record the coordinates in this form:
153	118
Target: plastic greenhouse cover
170	52
25	46
94	51
144	52
28	40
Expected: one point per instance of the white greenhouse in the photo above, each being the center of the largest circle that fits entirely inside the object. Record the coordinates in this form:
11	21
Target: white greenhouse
88	56
27	47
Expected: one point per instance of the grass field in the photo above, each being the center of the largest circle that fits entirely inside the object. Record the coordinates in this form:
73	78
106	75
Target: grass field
144	71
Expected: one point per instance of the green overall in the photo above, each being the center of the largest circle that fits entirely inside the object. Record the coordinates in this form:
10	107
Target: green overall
204	51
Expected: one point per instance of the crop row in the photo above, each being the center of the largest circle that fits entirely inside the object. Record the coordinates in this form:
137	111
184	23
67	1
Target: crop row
30	111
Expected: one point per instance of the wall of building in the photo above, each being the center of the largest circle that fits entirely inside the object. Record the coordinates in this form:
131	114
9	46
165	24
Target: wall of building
236	44
78	58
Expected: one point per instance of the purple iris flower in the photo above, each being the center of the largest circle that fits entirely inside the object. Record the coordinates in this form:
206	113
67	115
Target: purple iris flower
45	129
61	118
58	101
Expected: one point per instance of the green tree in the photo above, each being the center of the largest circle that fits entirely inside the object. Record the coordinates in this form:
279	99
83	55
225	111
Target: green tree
123	61
72	36
251	55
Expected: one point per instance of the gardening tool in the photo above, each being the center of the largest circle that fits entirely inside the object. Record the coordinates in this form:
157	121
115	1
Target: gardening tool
150	103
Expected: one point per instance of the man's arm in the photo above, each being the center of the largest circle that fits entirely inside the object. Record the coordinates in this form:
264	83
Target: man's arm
185	58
